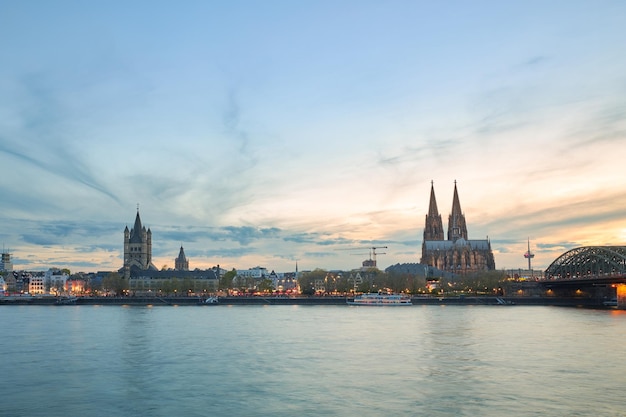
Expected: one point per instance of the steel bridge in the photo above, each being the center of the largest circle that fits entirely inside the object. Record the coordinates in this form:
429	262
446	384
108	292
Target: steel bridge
589	262
590	266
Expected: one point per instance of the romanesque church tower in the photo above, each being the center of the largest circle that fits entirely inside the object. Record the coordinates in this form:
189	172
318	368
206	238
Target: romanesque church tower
137	248
458	254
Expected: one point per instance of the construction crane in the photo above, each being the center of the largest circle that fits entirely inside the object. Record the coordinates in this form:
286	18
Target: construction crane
379	253
371	262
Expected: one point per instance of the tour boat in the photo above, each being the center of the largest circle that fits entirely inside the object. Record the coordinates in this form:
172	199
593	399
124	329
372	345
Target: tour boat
391	300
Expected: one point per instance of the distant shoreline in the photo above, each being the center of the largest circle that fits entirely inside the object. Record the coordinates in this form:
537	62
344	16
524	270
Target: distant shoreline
329	300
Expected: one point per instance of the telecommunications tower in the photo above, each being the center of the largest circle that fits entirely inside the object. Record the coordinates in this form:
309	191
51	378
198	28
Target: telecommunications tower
529	255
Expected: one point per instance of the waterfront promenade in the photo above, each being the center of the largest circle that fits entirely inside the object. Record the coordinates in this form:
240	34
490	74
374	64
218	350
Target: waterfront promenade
313	300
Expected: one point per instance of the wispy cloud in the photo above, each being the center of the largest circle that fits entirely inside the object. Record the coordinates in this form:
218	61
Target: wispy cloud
310	141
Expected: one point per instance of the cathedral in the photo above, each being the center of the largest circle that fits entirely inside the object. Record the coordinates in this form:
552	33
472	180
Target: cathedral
137	249
457	254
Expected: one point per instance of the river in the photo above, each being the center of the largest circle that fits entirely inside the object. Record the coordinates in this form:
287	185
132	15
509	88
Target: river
312	361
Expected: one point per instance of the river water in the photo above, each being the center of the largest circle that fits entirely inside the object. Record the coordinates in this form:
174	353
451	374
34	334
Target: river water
311	361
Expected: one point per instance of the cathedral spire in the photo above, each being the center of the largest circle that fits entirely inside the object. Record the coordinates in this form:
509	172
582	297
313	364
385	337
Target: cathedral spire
456	223
456	204
433	229
432	207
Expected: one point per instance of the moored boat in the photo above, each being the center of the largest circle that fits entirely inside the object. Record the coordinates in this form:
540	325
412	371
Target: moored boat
211	300
391	300
610	303
66	300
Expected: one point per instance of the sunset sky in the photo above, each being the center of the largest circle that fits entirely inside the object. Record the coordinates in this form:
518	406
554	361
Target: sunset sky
270	132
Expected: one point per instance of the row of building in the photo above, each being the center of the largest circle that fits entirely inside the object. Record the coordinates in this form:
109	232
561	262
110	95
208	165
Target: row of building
451	254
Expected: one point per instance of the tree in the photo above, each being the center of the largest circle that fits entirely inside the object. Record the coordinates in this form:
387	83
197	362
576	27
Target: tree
166	286
343	284
266	285
115	283
226	281
397	282
307	280
186	286
484	282
175	283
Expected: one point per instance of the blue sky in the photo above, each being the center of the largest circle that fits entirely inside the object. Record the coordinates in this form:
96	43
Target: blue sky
265	133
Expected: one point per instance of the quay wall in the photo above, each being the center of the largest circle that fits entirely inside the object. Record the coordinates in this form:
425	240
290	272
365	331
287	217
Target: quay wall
419	300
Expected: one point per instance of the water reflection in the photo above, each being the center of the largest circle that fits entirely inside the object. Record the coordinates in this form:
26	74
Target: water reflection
304	360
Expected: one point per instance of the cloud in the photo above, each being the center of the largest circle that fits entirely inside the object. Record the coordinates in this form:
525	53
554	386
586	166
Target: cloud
557	246
431	148
534	61
246	234
43	138
317	238
319	254
39	240
226	252
564	214
605	125
242	158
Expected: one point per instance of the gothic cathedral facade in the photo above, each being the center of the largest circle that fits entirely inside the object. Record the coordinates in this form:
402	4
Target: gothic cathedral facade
457	254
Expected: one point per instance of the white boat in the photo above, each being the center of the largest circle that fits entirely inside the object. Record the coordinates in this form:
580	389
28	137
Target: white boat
390	300
211	300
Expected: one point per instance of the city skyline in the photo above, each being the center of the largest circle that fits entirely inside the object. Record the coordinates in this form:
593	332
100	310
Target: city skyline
275	133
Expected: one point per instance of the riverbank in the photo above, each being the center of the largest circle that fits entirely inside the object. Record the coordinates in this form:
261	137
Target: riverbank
329	300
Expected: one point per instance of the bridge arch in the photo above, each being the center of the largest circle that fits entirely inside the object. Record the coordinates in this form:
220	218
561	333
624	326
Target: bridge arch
588	261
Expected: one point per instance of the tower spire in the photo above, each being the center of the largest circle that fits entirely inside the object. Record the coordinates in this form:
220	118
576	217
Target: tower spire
432	206
456	223
433	228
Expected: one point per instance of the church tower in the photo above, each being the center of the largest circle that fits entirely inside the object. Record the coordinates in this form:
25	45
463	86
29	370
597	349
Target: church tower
456	222
137	248
181	263
434	226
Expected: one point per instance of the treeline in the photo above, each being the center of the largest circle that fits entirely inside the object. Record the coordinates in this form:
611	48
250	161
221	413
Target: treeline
325	282
373	280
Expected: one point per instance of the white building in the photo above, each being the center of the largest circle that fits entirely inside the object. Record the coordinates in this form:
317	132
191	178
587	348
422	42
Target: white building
258	272
54	281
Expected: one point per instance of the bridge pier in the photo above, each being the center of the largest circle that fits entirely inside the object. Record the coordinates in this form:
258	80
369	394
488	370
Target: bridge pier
621	296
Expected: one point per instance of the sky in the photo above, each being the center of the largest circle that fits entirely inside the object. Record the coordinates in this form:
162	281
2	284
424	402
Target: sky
270	133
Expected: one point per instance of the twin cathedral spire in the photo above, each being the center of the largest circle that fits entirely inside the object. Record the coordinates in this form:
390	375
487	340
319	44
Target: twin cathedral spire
457	228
